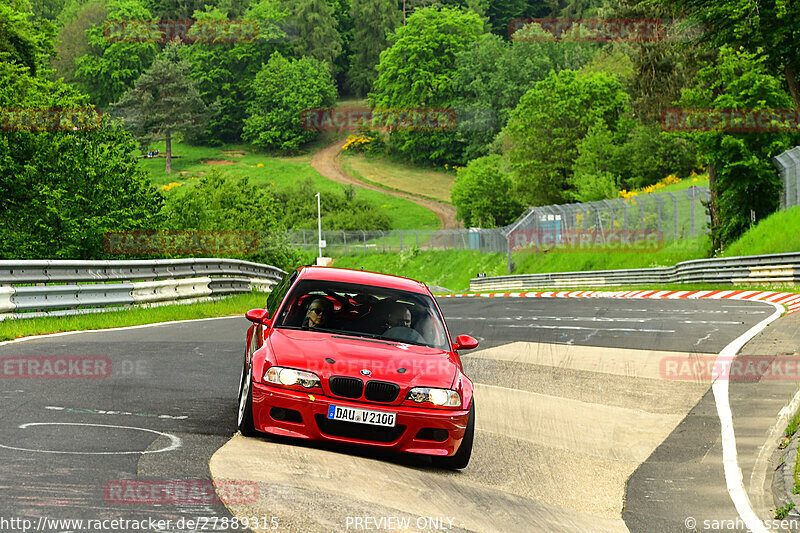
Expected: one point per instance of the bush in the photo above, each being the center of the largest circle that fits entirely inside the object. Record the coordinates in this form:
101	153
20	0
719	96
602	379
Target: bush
482	193
342	211
224	203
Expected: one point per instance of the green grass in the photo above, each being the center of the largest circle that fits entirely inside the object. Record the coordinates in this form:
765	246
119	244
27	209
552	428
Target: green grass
658	287
775	234
394	176
673	252
275	172
454	268
702	181
794	424
230	306
772	235
447	268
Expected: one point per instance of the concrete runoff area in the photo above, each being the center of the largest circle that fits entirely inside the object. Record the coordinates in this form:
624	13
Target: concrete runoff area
560	463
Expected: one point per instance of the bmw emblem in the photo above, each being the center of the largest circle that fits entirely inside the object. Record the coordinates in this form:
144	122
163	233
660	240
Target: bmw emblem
366	372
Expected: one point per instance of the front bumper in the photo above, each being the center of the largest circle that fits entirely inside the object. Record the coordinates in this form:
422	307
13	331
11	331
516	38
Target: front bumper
315	425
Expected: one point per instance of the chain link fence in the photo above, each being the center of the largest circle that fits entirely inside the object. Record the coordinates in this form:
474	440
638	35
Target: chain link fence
670	215
788	164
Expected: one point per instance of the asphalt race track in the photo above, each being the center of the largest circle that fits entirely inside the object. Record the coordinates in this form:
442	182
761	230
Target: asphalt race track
571	399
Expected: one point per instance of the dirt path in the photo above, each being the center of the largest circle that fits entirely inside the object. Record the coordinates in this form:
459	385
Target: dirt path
326	162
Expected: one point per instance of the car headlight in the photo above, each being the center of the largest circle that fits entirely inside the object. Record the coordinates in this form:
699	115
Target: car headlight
441	397
289	376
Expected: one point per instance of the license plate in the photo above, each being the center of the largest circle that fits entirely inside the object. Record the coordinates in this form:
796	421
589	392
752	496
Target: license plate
361	416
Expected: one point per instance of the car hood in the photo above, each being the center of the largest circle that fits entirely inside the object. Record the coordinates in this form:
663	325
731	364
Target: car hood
314	351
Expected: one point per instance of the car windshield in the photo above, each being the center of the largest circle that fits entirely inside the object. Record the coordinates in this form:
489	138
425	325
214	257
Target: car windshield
364	311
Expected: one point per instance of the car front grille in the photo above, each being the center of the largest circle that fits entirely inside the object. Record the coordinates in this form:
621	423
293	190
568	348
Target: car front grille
381	391
352	430
346	387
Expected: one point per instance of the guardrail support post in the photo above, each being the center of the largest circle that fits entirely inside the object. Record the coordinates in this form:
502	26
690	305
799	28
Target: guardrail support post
674	215
508	252
658	209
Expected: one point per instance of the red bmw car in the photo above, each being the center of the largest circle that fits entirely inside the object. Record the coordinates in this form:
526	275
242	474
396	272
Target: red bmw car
360	358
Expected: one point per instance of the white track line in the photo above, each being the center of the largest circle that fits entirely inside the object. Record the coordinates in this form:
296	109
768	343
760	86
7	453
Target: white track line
75	332
730	461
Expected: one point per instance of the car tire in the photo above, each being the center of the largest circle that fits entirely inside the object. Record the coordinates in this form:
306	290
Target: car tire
245	406
461	458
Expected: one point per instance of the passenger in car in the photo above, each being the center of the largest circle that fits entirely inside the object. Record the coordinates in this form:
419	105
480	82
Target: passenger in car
318	314
399	316
398	325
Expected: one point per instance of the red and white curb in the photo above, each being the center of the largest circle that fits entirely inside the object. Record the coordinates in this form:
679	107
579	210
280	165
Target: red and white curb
789	300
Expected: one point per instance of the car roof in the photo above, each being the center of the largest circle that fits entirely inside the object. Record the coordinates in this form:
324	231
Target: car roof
362	277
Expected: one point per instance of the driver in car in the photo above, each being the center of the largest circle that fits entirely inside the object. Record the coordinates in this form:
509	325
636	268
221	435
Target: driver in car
318	314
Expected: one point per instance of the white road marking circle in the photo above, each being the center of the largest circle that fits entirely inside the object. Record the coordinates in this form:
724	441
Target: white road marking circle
175	442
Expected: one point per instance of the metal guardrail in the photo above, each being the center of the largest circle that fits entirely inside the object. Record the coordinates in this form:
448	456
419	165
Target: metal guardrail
48	285
744	270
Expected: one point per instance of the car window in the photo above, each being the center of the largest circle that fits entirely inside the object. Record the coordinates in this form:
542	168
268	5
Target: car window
279	291
365	311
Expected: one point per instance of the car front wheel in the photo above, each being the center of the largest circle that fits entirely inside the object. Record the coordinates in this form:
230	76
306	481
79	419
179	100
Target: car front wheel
245	418
461	458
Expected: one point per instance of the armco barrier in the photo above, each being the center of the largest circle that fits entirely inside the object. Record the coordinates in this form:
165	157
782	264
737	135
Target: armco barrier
50	285
744	270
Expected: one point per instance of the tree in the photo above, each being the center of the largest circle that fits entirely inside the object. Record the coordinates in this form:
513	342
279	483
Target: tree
663	66
72	41
316	26
24	43
417	71
546	127
164	101
502	12
340	10
492	75
482	193
110	68
742	177
63	190
224	71
373	21
766	28
283	90
593	176
46	9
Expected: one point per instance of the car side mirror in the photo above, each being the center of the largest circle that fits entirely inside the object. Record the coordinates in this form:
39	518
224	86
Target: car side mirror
258	316
465	342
